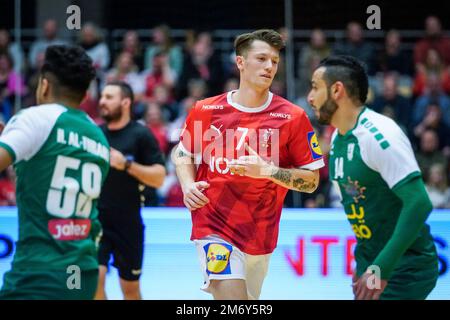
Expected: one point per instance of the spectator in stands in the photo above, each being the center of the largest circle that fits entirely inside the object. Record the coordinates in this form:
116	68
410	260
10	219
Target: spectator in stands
32	81
50	37
125	70
197	89
11	84
391	99
203	62
162	42
169	107
157	125
394	57
429	152
433	121
433	94
12	48
309	58
357	46
433	64
160	74
174	128
91	40
132	45
434	39
437	187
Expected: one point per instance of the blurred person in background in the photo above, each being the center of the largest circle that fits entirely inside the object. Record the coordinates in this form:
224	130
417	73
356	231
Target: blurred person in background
91	40
434	39
135	160
433	121
437	187
432	95
429	152
156	124
432	65
169	107
125	70
356	46
160	74
400	106
197	89
48	37
162	42
11	83
309	58
394	58
132	45
12	48
202	62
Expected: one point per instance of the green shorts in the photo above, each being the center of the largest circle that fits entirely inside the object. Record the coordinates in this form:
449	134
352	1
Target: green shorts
26	284
411	286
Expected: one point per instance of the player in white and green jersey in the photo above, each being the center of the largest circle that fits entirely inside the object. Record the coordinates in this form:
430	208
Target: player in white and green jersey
61	159
373	166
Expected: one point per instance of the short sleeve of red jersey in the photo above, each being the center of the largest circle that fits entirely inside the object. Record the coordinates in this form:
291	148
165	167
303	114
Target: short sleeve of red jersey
192	133
303	146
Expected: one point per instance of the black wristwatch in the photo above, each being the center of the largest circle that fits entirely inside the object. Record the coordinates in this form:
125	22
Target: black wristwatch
128	163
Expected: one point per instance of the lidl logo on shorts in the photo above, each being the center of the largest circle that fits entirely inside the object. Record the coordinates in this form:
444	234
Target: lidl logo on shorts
218	258
314	145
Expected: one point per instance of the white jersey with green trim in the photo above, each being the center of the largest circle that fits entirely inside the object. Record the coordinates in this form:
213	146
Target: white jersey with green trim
365	165
61	159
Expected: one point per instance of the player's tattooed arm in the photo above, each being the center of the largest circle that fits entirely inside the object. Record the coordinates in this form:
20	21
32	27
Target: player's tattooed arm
282	175
179	156
303	186
296	179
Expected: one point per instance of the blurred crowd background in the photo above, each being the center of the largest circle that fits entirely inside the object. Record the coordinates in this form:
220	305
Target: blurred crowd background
169	69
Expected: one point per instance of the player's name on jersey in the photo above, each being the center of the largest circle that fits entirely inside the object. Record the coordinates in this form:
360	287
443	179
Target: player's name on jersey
73	139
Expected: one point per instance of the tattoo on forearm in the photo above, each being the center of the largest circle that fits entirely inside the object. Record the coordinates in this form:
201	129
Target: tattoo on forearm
302	185
181	154
282	176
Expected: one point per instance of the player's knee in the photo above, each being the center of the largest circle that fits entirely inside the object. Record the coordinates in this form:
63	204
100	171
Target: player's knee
228	289
131	290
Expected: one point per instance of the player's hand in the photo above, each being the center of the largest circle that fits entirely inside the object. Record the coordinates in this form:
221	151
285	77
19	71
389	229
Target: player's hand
116	159
251	166
193	196
363	292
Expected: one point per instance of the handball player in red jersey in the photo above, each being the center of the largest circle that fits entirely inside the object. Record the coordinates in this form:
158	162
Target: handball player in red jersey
238	155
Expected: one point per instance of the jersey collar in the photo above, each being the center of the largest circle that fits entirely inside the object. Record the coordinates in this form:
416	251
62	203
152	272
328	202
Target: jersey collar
247	109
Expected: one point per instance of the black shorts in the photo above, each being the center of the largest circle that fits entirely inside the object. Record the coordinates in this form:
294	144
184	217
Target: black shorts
124	240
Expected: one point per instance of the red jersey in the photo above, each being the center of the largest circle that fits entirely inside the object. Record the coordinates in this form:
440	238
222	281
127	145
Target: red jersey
242	210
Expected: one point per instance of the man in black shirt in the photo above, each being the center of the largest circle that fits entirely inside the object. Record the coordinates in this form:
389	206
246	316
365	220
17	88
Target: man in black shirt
135	160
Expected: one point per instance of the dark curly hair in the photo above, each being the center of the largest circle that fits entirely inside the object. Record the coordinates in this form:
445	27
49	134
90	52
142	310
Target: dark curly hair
69	69
350	71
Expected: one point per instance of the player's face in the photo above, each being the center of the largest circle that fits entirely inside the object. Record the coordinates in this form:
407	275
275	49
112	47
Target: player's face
110	104
259	66
319	98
